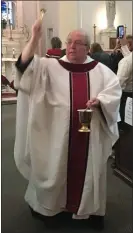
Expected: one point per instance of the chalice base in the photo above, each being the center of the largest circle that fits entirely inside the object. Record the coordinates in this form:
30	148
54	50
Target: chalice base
84	129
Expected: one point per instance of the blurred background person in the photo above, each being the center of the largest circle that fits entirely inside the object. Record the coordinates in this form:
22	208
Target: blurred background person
121	50
125	75
63	53
130	42
97	53
122	64
116	56
56	51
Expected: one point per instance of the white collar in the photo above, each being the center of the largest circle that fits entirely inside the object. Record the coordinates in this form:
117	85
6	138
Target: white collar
88	59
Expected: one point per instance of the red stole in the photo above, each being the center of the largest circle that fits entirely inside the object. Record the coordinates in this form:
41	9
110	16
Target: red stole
78	142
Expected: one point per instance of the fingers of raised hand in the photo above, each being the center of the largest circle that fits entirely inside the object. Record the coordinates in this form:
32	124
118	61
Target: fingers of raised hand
37	25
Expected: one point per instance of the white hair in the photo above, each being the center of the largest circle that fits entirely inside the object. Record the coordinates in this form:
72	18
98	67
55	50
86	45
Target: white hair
85	34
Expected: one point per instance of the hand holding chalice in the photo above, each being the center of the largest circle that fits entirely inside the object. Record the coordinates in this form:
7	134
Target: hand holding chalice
85	115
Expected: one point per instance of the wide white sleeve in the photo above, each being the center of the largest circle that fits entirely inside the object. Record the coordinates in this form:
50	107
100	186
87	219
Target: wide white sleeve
35	71
109	99
110	96
34	76
21	149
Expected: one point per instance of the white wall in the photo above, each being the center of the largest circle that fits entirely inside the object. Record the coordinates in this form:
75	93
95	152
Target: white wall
51	20
19	13
64	16
61	16
29	11
94	12
91	14
124	14
68	18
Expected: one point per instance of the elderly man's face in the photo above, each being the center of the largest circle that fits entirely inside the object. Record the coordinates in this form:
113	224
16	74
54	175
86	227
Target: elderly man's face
76	49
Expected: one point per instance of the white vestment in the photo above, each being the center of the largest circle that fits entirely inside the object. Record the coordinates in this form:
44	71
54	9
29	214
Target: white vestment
42	135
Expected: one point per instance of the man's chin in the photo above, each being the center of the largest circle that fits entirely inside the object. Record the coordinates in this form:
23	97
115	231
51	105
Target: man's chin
72	56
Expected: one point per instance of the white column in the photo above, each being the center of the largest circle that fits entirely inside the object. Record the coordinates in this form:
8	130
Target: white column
39	50
79	14
19	13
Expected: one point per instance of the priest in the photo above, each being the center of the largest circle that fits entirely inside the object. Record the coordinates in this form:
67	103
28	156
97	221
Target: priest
65	169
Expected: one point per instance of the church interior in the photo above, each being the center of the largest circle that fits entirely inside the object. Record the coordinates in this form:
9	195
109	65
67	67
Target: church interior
100	20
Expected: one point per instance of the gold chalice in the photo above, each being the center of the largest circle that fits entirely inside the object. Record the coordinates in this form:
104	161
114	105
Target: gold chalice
85	116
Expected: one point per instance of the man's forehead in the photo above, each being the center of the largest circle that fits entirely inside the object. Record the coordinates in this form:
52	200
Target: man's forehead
76	35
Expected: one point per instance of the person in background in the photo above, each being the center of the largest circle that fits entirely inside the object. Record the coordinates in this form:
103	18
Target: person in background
116	56
63	53
125	75
119	53
97	53
129	39
56	51
126	44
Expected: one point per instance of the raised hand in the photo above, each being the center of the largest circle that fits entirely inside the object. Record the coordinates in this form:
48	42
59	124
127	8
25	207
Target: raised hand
37	30
118	45
123	41
29	50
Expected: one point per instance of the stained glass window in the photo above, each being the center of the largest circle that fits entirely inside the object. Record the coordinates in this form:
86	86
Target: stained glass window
7	12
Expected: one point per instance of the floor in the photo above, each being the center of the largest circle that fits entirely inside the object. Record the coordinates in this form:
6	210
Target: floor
16	217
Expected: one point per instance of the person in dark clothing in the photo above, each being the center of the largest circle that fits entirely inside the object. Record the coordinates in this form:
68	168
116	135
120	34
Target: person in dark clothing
116	56
63	53
56	51
97	53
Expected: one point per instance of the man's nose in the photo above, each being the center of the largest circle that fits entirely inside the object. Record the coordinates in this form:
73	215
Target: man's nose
73	45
